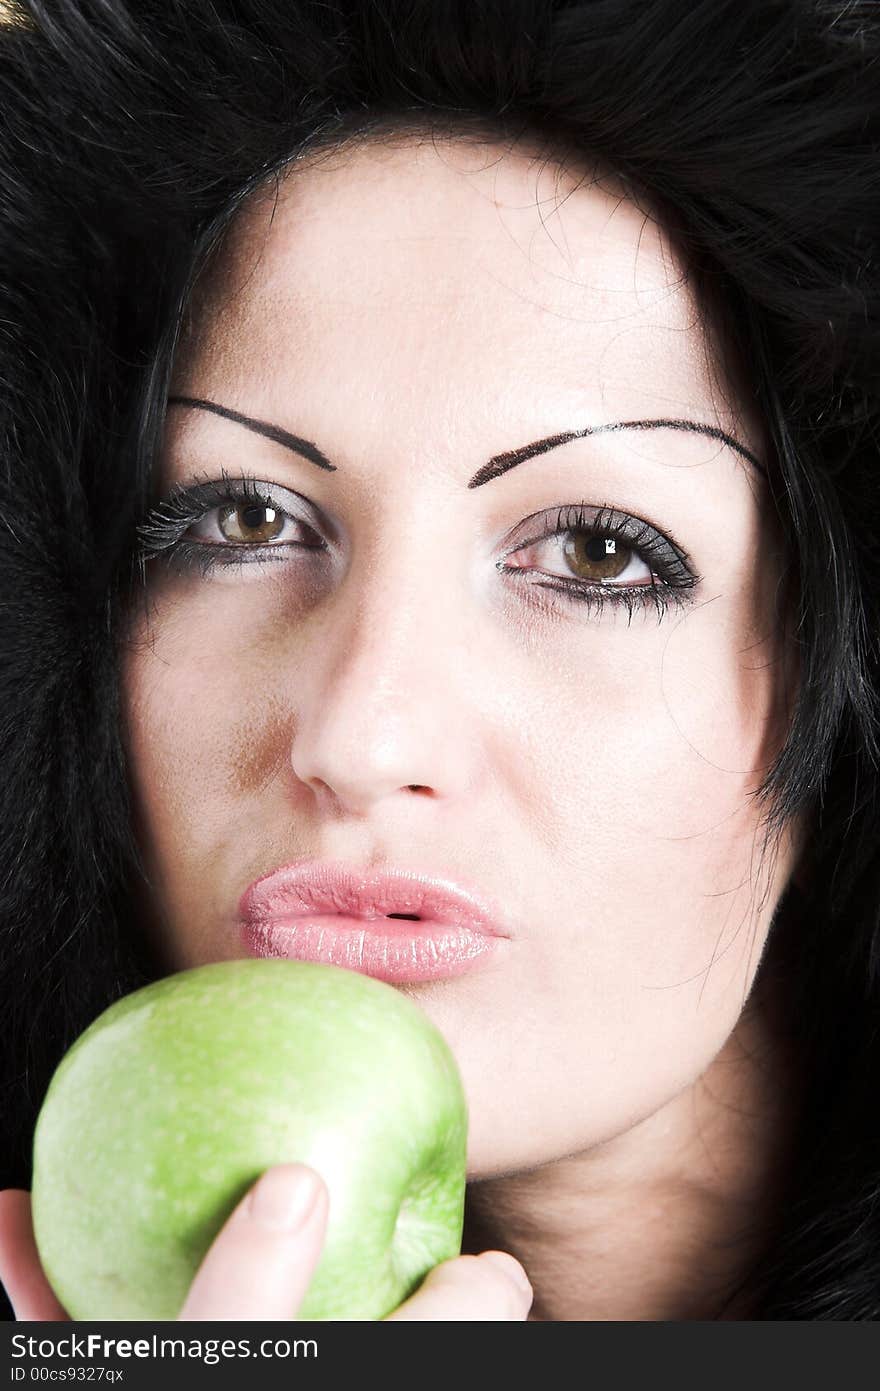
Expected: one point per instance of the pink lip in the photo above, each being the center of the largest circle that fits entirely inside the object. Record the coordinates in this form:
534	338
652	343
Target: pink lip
322	911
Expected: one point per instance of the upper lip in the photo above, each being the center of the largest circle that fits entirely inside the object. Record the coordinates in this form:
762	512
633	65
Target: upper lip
326	886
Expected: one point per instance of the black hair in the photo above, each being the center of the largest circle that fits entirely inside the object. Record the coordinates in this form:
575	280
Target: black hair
131	132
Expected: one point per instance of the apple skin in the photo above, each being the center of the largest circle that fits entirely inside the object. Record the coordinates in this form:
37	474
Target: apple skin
174	1100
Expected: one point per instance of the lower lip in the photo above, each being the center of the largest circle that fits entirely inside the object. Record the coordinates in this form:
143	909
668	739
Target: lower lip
388	949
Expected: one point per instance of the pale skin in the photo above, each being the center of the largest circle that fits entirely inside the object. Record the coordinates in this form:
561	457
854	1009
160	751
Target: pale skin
415	309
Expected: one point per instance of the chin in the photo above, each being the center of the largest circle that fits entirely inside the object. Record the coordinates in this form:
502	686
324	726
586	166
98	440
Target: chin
493	1154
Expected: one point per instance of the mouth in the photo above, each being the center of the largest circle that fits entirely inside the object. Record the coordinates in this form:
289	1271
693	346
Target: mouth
399	926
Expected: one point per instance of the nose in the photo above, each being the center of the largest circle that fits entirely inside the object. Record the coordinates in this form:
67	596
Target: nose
385	689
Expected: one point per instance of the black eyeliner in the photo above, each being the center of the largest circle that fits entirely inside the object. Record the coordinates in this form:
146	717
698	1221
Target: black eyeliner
165	524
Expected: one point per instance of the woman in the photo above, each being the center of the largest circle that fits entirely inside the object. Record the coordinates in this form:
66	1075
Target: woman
440	442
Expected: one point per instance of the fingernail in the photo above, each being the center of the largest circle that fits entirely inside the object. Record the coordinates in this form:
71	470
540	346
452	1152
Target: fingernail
284	1198
512	1268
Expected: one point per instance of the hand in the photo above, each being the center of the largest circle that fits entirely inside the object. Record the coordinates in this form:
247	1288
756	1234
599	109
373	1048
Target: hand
257	1271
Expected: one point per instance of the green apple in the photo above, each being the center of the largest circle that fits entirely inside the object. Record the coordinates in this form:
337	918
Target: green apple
175	1100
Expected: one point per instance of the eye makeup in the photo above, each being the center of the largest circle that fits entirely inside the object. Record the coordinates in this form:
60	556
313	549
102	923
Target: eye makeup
601	537
604	531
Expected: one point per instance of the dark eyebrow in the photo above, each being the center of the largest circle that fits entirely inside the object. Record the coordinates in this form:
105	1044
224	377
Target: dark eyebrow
502	462
498	464
260	427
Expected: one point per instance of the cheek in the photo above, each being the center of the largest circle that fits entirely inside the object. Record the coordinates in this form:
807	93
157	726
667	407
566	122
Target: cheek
676	741
654	911
195	711
184	689
205	738
643	737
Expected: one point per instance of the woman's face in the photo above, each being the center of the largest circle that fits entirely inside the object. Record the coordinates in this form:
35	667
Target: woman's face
414	311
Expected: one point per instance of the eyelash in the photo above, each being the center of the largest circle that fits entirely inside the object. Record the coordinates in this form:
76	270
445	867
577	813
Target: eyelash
162	533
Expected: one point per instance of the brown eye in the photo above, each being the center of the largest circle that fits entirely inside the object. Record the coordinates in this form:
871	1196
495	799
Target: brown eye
596	557
589	556
250	521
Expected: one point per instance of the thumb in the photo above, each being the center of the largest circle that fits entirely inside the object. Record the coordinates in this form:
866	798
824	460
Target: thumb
261	1262
490	1286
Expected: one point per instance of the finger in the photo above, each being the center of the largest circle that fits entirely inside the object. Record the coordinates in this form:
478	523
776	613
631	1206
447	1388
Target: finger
261	1262
490	1286
30	1293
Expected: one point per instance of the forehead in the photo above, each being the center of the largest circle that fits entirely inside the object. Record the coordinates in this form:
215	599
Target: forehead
444	270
